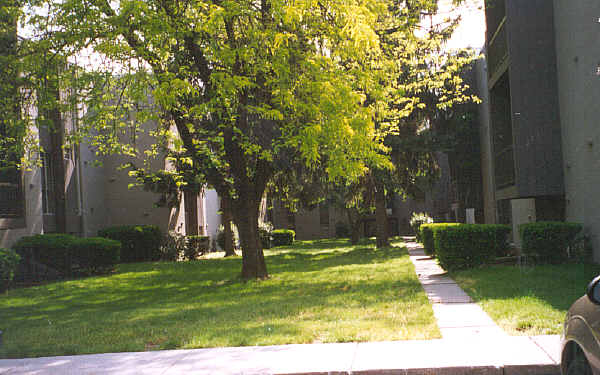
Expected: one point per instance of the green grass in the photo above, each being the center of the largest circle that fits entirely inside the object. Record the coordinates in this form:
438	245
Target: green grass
527	300
319	291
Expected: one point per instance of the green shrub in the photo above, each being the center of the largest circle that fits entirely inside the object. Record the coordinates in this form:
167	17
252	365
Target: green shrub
548	240
427	236
95	254
9	261
51	250
283	237
416	220
173	247
221	236
264	232
139	243
468	245
342	230
196	246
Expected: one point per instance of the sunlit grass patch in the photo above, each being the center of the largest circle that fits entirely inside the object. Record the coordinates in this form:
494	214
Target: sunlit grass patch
527	300
319	291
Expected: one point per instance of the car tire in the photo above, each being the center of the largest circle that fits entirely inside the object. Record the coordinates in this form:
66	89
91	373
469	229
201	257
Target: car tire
579	366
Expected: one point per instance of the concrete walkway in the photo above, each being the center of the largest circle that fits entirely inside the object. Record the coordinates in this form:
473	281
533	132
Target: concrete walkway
471	344
457	315
478	356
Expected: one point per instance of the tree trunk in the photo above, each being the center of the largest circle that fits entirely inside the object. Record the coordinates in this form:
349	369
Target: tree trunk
246	217
58	164
381	216
354	224
227	232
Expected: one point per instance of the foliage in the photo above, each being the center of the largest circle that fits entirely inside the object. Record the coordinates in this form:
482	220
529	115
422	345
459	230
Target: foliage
140	243
173	247
65	254
196	246
283	237
9	261
330	284
221	236
342	230
548	239
469	245
242	88
416	219
265	229
427	236
95	255
51	250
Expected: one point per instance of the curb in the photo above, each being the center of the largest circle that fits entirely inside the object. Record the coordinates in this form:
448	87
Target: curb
459	370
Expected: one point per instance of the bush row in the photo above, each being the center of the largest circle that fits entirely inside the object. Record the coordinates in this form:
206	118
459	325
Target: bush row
9	260
468	245
548	240
177	247
417	219
283	237
45	256
196	246
140	243
427	236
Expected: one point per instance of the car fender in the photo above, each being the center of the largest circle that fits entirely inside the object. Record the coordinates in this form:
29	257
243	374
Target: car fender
579	331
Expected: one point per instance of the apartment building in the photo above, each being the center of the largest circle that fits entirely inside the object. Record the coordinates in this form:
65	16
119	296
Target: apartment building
540	134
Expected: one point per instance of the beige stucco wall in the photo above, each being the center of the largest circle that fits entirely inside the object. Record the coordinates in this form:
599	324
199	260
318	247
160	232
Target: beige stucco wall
578	54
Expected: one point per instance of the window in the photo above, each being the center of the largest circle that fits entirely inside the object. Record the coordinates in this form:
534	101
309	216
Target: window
11	193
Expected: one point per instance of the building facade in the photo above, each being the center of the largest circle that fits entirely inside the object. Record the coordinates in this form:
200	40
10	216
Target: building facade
88	193
540	116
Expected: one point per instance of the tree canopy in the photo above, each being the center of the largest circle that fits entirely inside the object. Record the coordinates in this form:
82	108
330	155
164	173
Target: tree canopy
240	88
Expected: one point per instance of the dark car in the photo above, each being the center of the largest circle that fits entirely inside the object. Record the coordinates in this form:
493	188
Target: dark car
581	335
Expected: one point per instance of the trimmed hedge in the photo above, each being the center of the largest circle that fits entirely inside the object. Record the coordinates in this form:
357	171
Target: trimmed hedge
548	239
51	250
283	237
469	245
427	236
9	261
417	219
139	243
342	230
265	238
196	246
61	255
95	254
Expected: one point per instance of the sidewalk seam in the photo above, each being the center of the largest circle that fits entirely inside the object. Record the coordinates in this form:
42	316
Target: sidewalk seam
175	362
544	350
349	371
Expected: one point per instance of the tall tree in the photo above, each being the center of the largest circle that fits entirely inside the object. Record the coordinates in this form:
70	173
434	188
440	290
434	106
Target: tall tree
241	83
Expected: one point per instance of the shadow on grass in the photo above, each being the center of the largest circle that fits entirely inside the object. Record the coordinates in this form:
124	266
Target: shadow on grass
327	243
173	304
557	285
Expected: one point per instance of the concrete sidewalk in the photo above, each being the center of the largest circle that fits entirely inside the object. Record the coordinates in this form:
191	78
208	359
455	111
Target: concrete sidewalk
503	356
458	316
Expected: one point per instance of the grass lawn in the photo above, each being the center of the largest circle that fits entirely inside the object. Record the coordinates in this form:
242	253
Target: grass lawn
319	291
527	300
